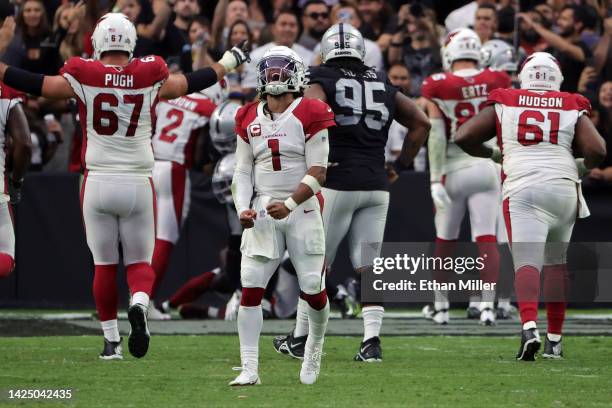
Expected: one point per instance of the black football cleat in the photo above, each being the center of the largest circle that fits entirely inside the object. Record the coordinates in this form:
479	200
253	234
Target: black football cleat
112	350
473	313
502	314
138	342
292	346
370	351
530	344
553	349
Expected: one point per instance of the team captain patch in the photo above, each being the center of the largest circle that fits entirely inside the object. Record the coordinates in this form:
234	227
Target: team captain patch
255	130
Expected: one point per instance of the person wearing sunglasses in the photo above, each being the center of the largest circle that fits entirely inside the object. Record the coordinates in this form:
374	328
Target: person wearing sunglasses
315	20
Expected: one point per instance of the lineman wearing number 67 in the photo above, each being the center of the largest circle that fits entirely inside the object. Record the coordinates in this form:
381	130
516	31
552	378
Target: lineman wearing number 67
356	191
117	95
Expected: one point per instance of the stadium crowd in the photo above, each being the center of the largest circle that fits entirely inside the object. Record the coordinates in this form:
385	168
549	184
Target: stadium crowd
402	39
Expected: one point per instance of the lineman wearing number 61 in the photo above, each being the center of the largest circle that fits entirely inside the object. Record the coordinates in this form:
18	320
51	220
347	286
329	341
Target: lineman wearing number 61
117	95
356	191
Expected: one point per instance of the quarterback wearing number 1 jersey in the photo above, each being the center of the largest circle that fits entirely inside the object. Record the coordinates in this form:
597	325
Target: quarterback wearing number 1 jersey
537	127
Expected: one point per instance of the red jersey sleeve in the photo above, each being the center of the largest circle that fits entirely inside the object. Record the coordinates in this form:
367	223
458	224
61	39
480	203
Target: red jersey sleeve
584	106
504	81
6	92
159	68
244	116
497	96
319	116
206	107
73	67
428	89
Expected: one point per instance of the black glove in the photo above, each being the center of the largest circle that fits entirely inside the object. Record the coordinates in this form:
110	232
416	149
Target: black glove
14	189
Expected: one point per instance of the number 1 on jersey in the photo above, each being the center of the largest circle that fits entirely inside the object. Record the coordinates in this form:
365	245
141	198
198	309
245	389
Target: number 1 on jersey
274	146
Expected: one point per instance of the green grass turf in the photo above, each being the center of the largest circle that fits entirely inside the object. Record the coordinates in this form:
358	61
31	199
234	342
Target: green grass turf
193	371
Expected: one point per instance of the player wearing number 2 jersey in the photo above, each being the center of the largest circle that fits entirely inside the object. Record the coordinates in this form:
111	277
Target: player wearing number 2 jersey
356	191
179	123
460	182
536	128
117	96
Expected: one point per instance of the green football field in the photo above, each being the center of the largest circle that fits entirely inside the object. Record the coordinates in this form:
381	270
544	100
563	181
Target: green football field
420	371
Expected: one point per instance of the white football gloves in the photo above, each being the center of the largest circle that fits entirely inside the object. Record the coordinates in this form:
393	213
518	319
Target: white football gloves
439	195
236	56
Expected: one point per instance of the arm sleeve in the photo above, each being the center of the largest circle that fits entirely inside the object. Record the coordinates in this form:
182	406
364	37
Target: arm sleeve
242	182
317	149
436	148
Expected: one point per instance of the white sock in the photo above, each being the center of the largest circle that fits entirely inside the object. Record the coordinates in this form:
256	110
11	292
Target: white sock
317	322
301	318
250	322
372	320
140	297
487	299
441	299
474	301
553	337
503	303
111	330
213	312
530	325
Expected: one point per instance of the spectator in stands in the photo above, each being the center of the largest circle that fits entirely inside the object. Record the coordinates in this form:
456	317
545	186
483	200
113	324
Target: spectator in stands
485	21
589	34
602	54
315	21
32	49
547	13
150	18
529	39
226	14
379	21
237	32
416	44
571	52
463	16
46	135
66	24
604	126
196	54
285	31
505	24
176	33
399	76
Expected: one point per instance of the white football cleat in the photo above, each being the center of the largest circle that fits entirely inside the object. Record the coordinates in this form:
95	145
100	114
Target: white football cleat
248	376
440	316
311	366
231	309
487	317
154	313
428	312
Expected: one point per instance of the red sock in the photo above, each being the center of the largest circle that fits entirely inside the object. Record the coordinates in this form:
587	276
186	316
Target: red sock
193	289
527	286
105	291
487	245
161	257
140	277
7	263
556	282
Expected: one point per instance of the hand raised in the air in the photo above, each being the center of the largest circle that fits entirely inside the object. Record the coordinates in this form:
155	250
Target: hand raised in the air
247	218
278	210
235	57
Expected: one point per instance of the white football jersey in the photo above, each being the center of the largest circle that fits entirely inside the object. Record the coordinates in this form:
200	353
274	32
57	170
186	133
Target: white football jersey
279	144
8	99
178	123
117	111
460	96
535	133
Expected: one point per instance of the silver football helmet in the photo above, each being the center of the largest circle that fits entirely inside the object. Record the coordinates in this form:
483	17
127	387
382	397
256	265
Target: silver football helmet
280	70
222	179
222	124
498	55
342	40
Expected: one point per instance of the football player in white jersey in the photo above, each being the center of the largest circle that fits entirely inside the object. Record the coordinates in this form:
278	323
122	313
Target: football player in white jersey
179	124
536	127
13	124
117	95
281	159
460	182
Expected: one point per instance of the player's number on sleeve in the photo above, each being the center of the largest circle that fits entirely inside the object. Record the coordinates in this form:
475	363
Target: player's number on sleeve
175	116
530	130
350	94
106	121
274	146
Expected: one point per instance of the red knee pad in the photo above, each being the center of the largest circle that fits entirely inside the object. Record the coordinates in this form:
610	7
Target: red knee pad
487	245
318	301
140	277
251	297
7	264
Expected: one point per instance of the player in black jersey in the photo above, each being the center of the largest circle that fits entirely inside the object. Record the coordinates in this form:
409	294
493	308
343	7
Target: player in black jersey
356	191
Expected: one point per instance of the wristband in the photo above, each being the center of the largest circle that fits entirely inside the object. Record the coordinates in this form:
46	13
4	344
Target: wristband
290	204
312	182
200	79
